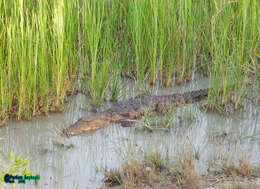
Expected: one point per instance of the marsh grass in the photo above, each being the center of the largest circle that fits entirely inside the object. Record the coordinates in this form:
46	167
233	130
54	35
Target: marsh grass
152	170
93	21
232	45
112	177
36	56
186	171
45	45
136	173
155	171
155	161
240	167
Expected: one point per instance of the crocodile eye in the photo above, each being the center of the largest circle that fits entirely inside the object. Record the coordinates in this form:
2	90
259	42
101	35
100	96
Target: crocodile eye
124	114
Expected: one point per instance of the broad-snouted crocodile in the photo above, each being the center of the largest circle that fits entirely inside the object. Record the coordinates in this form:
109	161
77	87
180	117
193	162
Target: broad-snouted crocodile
133	108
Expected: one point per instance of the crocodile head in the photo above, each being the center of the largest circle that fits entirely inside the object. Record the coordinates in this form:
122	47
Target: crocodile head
85	125
72	130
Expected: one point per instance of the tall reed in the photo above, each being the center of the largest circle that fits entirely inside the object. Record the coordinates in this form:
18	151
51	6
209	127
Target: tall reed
167	41
232	44
154	38
93	15
35	57
136	23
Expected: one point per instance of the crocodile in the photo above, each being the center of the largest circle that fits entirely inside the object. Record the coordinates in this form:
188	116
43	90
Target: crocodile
134	108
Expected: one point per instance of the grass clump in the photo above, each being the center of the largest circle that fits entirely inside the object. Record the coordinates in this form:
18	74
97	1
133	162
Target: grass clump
155	161
133	174
137	173
154	171
186	172
112	177
38	64
241	168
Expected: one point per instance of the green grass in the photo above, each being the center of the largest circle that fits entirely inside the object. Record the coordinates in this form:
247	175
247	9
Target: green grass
233	43
46	46
37	58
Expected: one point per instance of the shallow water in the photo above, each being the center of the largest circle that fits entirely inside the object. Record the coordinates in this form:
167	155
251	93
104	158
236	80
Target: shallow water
81	166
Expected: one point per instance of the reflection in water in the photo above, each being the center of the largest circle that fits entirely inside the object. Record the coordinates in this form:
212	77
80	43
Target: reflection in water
82	165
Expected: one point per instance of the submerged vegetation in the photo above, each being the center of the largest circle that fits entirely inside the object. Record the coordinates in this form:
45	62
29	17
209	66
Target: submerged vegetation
46	47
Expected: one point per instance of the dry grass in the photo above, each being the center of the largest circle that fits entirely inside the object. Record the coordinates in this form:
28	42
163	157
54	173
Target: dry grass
155	161
183	173
112	177
241	168
133	174
153	172
235	183
186	173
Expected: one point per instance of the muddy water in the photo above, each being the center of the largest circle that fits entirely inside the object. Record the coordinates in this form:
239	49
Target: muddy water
82	165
